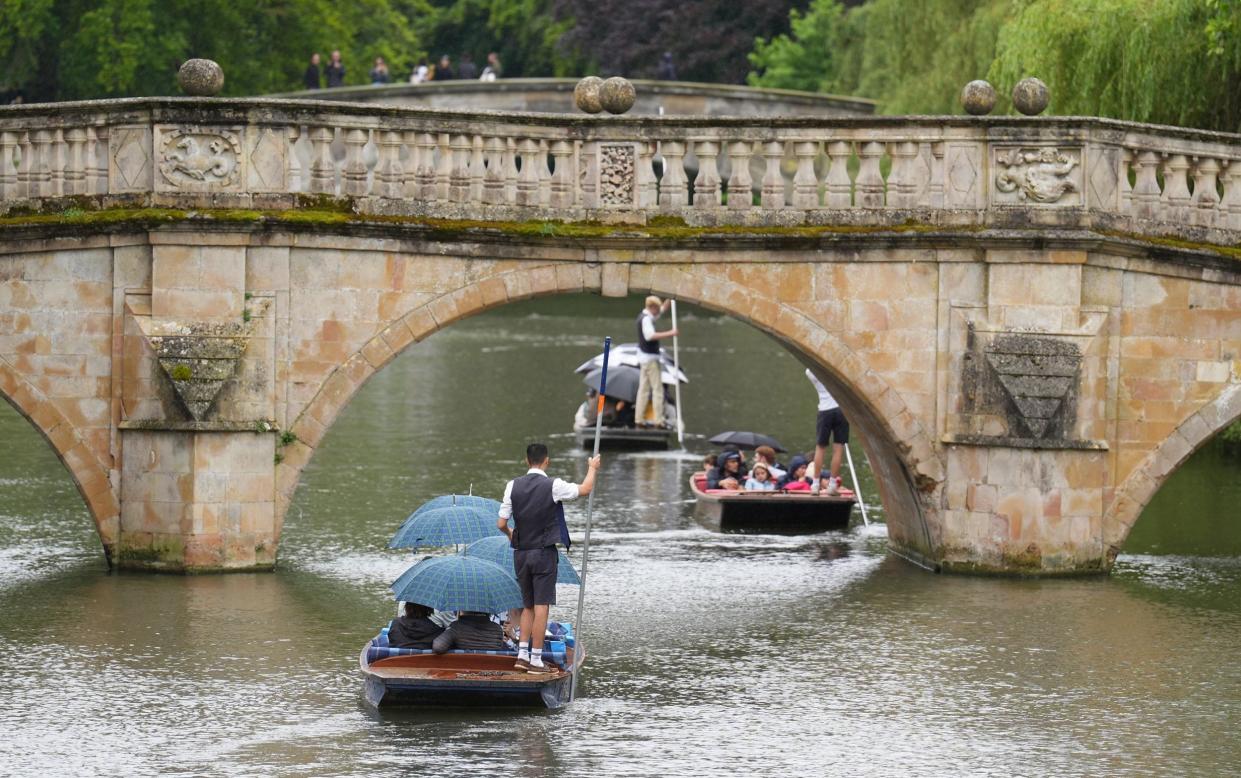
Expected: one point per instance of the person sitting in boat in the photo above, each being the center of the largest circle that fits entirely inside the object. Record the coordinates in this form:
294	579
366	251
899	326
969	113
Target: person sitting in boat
728	472
760	480
795	479
767	455
414	629
708	462
471	632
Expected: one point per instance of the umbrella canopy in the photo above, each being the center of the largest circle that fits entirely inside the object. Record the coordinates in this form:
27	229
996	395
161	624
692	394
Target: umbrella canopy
459	583
497	549
629	355
622	381
746	440
447	525
458	499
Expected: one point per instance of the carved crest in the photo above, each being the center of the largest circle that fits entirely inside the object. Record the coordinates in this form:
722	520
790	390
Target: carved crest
1043	175
616	175
194	158
1039	376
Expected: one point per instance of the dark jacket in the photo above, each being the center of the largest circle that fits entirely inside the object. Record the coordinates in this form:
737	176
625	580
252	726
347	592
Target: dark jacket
311	78
717	473
794	463
467	70
471	631
335	75
409	632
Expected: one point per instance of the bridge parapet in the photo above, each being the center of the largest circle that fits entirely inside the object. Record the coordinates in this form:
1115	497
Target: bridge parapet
1002	172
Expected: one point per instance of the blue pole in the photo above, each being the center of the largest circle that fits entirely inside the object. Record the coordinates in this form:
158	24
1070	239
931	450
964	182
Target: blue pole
578	645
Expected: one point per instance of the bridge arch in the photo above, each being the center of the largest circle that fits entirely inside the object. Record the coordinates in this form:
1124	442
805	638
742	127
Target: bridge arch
908	468
89	475
1137	490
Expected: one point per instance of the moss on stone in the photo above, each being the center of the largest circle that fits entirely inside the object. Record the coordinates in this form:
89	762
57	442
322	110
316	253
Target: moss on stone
181	372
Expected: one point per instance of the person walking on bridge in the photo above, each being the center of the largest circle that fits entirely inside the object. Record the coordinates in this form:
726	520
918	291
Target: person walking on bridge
536	504
650	380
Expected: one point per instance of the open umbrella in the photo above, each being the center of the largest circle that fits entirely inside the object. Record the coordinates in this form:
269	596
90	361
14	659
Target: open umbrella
459	583
471	500
448	525
629	355
746	440
622	381
497	549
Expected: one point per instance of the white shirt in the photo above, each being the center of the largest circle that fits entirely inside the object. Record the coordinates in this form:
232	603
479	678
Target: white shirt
826	401
562	491
648	332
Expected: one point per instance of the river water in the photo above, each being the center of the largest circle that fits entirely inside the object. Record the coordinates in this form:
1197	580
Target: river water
710	654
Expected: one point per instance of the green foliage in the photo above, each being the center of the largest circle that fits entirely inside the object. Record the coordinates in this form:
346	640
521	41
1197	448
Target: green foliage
1165	61
524	33
1232	434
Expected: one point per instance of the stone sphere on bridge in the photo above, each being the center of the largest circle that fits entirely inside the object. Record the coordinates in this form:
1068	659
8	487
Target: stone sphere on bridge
617	95
1030	96
200	78
978	98
586	95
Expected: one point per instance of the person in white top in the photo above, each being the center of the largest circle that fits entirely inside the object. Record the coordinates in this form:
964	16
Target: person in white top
832	427
650	382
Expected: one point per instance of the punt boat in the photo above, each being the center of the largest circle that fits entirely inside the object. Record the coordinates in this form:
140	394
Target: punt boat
775	513
414	677
623	438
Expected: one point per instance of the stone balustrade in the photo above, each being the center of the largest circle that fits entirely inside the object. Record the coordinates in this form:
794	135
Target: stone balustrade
881	171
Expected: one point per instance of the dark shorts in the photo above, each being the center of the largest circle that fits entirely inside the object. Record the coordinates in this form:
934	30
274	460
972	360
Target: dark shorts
536	575
832	427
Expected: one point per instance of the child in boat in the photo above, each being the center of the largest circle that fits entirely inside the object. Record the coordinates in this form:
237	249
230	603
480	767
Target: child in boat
760	480
415	629
795	479
767	455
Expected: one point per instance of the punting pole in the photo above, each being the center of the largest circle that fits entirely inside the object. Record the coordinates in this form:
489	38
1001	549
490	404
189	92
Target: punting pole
857	487
676	370
578	645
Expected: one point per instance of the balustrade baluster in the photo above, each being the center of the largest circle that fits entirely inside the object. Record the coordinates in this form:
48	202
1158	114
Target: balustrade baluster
562	195
323	167
97	160
1176	198
25	163
1146	185
389	173
478	170
297	174
459	173
772	192
355	167
1122	178
8	170
674	186
511	173
740	185
41	173
443	167
528	179
56	160
588	161
493	178
644	176
75	162
409	168
707	182
805	180
424	173
1230	205
869	177
1206	198
839	186
902	181
545	174
935	192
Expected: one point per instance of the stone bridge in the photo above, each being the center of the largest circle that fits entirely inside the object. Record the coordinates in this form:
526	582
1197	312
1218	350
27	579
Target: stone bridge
1032	321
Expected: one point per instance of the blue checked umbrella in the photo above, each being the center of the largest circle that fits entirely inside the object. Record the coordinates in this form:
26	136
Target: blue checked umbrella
458	499
446	524
496	549
459	583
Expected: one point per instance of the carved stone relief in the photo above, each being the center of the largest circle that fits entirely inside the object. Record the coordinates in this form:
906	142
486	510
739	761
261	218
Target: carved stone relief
616	175
1043	176
195	158
1031	381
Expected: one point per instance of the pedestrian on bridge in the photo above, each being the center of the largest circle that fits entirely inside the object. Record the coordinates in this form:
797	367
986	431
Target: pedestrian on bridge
536	504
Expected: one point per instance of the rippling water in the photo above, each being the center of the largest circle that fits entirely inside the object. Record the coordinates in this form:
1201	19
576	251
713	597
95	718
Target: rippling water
710	654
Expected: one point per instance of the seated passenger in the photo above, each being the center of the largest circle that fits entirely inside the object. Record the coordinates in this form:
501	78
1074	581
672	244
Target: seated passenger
760	480
728	472
795	479
767	455
472	632
415	629
708	462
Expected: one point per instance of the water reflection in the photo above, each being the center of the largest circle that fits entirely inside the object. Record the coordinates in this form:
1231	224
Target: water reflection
708	653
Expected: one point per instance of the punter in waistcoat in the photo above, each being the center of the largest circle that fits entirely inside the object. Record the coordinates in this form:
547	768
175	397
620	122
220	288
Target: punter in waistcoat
650	382
536	504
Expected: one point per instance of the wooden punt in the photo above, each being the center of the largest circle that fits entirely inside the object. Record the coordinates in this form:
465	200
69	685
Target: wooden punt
773	513
461	679
621	438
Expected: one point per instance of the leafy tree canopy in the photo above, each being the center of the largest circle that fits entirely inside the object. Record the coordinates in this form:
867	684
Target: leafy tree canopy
1165	61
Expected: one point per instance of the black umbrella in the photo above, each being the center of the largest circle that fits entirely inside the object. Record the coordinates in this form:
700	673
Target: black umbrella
741	439
622	381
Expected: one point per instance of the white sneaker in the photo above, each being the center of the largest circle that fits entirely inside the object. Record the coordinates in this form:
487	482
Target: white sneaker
833	487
